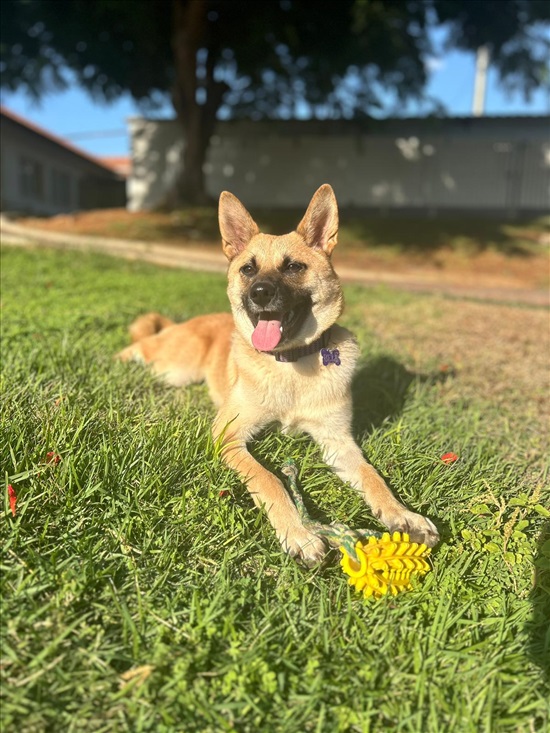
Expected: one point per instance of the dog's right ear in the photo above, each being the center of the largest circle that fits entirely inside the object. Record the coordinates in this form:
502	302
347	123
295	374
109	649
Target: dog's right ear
237	227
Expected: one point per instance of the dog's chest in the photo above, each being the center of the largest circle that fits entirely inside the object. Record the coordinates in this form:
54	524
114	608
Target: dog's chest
292	394
299	393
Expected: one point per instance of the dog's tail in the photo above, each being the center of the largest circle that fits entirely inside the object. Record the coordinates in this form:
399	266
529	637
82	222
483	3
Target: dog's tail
148	325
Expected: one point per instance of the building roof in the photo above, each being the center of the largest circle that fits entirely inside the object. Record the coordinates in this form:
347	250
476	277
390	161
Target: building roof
121	164
55	139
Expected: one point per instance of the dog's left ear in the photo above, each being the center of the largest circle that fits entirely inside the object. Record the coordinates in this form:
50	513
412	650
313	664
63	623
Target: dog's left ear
237	227
319	227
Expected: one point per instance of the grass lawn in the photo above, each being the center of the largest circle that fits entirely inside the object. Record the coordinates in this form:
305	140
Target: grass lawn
135	597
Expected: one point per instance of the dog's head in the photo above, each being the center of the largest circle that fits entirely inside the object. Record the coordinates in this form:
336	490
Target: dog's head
283	290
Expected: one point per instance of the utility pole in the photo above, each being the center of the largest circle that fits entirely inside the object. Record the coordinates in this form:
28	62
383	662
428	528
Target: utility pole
482	65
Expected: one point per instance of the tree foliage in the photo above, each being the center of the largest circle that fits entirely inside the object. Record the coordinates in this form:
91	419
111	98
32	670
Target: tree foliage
274	58
516	32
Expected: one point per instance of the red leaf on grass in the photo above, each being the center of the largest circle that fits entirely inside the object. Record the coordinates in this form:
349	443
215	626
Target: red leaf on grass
52	457
13	499
223	492
449	457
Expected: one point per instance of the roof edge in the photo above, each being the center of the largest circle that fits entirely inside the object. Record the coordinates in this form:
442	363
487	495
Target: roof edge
37	130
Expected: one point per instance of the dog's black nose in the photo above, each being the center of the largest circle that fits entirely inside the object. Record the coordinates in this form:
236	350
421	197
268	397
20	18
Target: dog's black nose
262	293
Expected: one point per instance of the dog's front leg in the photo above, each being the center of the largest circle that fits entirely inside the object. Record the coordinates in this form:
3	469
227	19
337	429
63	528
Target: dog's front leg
267	491
346	458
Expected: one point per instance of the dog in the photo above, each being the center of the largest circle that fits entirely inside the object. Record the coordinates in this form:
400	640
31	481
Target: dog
278	358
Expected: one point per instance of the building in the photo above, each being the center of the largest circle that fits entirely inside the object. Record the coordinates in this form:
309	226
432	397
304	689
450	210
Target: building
429	165
43	174
121	164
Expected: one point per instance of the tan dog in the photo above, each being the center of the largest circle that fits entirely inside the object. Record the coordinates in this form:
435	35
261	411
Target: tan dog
279	358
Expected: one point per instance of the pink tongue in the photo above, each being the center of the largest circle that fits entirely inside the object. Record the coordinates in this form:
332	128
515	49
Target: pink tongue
267	335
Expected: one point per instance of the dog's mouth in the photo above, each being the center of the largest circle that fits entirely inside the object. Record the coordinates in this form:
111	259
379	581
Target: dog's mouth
272	328
268	330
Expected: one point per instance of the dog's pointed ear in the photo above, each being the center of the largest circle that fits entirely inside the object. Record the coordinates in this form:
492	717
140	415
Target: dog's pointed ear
237	227
319	227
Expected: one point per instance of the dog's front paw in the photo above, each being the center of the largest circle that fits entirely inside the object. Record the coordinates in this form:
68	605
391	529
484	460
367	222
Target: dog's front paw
420	529
303	545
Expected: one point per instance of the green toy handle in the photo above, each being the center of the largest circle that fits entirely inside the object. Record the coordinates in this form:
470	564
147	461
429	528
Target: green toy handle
336	534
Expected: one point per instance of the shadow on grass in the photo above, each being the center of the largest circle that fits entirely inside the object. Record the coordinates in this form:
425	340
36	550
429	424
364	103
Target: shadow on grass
420	235
359	229
417	234
379	391
539	626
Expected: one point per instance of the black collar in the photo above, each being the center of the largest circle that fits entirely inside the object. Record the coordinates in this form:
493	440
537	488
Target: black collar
299	352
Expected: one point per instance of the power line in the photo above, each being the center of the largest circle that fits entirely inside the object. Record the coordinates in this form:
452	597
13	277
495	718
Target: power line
95	134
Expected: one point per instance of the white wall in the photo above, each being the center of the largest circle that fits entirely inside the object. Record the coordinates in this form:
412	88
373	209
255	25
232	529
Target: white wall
156	151
488	164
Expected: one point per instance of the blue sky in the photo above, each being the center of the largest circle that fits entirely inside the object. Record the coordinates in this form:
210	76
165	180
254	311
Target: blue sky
73	112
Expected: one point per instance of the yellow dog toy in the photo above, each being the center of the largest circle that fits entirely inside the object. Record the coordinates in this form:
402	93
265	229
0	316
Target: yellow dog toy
385	565
378	566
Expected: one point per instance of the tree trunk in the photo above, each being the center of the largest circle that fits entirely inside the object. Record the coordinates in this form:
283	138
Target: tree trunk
197	121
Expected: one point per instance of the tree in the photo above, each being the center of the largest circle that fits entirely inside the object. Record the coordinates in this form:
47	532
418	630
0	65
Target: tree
258	58
516	32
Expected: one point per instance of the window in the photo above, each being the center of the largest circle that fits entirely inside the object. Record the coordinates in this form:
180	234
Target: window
61	188
31	178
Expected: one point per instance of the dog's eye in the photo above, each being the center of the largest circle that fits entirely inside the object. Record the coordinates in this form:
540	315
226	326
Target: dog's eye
248	270
295	267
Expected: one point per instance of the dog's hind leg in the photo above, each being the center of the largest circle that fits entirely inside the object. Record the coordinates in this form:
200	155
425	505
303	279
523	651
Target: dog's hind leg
173	371
186	353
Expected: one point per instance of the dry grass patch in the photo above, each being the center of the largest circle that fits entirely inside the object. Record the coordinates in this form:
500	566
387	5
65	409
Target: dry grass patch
497	352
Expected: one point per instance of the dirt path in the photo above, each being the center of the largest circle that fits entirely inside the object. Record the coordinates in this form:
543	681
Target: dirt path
212	260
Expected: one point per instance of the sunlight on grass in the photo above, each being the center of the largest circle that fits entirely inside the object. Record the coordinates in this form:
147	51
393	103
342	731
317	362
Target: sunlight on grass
136	597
